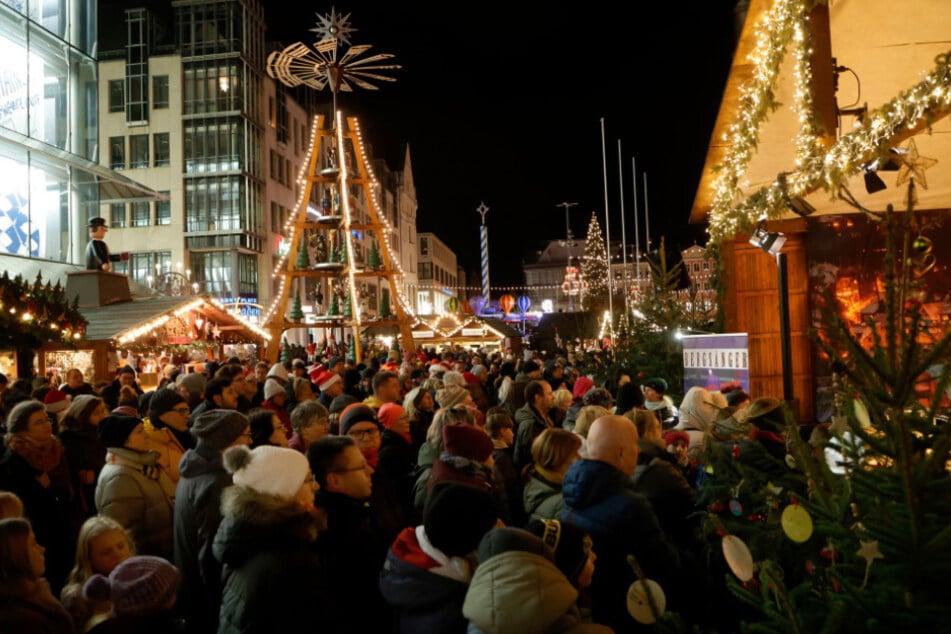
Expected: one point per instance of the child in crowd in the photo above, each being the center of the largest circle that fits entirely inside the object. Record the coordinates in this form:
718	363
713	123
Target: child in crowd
142	592
102	545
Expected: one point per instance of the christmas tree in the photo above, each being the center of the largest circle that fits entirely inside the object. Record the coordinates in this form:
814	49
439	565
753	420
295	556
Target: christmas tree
348	307
594	267
374	261
334	309
385	306
287	355
297	312
852	532
303	259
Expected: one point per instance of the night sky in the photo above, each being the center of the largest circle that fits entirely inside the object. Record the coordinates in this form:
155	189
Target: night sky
502	102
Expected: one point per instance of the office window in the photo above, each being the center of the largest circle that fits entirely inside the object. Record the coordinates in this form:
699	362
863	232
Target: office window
117	215
116	95
140	214
159	92
138	151
163	211
160	144
117	152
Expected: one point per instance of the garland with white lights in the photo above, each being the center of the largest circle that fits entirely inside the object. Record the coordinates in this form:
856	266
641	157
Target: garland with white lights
33	314
910	110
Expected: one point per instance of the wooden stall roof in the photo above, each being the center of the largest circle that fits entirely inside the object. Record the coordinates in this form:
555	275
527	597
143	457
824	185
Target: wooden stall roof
114	320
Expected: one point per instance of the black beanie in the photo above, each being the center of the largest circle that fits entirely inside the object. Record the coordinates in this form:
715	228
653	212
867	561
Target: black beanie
456	516
357	413
569	543
115	428
163	400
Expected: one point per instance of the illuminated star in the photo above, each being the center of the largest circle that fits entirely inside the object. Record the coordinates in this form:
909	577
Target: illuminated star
333	27
869	551
913	165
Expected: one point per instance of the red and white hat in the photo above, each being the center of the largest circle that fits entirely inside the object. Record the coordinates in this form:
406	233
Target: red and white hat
327	379
56	401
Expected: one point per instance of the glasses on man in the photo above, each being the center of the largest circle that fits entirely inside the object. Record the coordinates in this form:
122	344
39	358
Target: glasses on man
183	410
363	433
360	467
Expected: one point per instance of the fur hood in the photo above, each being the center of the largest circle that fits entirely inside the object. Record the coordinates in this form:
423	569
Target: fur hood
254	522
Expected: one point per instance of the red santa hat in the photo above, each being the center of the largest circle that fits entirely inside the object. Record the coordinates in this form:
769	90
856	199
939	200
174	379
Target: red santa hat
327	379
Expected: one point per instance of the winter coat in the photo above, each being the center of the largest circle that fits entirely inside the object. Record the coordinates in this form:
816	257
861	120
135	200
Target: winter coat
34	610
423	597
196	520
509	485
397	465
600	499
84	452
542	498
134	490
659	479
518	592
271	577
162	441
424	468
529	423
351	553
52	511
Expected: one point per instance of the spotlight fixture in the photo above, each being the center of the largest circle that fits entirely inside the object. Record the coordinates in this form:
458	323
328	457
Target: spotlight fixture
874	182
770	242
797	205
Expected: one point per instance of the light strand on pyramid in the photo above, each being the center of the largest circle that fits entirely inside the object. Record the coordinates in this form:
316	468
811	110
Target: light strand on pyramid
381	216
289	225
347	220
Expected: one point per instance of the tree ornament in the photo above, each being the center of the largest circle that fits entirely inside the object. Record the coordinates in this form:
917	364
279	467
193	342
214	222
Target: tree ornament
639	603
297	312
738	557
869	552
797	523
385	306
303	259
334	309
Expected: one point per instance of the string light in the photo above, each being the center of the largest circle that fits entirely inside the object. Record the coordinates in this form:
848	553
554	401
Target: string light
817	166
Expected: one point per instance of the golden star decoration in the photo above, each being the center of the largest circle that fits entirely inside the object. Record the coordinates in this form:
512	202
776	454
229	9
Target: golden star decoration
869	551
913	165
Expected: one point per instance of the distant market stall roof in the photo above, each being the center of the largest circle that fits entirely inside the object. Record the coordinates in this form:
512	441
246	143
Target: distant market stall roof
126	322
455	330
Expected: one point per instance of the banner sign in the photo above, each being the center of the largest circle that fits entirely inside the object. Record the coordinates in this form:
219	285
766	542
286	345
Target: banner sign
711	361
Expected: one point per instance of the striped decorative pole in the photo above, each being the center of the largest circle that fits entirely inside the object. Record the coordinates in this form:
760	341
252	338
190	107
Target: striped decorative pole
484	247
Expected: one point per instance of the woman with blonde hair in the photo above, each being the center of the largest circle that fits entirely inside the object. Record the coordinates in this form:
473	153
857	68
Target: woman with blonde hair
587	415
26	602
433	447
553	451
303	390
102	545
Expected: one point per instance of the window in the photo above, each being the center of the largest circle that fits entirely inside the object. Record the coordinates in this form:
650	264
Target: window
117	215
161	148
425	270
116	95
138	151
140	214
424	246
117	152
163	211
159	92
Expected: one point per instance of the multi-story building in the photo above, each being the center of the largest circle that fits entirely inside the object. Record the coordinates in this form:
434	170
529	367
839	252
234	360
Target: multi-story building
192	113
438	270
699	268
545	275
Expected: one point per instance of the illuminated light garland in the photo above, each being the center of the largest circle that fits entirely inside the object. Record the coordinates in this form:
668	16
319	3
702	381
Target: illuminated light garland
133	334
817	167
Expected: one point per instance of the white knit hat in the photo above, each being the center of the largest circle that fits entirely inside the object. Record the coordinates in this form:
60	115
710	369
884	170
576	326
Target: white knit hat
277	471
451	377
272	388
278	370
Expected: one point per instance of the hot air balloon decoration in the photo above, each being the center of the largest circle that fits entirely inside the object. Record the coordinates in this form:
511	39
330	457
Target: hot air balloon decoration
523	303
507	302
452	305
477	303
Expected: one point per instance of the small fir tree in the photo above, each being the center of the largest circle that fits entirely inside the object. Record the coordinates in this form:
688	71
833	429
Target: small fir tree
373	260
385	306
287	355
334	309
348	307
303	259
297	312
594	268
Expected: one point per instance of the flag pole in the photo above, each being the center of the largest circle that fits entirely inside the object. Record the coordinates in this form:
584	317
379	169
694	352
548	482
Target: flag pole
607	224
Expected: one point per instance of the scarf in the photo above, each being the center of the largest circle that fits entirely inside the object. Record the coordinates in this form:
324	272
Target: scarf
43	456
372	456
457	568
551	476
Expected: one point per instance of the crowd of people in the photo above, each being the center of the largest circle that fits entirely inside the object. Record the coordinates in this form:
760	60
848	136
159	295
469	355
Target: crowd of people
463	491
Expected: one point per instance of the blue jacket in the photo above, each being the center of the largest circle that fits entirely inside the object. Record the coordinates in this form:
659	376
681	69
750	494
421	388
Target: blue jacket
600	500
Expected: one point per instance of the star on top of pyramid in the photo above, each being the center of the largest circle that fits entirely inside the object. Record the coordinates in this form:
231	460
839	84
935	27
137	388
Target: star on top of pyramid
334	26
